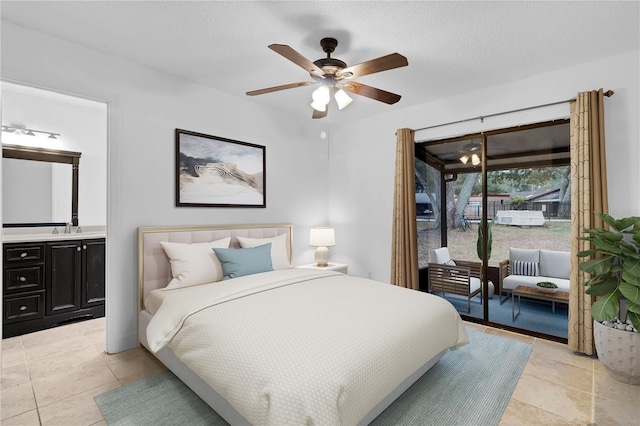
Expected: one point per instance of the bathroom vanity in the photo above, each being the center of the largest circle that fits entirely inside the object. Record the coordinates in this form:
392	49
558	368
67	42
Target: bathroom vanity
51	280
53	270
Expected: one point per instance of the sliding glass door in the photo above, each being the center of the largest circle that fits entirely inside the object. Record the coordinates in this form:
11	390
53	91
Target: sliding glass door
506	191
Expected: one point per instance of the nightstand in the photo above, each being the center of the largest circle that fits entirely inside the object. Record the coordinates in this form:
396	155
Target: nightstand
338	267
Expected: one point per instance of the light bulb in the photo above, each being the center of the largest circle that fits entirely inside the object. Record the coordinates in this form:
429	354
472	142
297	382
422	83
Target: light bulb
342	99
318	106
322	95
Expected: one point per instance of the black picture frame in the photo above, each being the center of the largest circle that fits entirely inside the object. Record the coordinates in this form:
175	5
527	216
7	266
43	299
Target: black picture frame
212	171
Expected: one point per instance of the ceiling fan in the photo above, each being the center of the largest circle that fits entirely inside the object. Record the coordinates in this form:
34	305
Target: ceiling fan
335	77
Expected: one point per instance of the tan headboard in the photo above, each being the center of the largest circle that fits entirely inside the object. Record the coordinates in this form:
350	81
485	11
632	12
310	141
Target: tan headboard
154	270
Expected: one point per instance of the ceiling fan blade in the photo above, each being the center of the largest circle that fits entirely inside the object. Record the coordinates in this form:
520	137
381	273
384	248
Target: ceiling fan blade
383	63
370	92
277	88
320	114
297	58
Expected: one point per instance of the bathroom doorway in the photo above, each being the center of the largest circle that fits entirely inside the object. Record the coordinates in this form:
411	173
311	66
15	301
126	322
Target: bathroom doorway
72	195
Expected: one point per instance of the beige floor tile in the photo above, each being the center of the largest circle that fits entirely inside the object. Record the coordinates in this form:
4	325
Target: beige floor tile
597	365
561	353
11	343
63	385
133	362
47	348
607	387
79	409
510	335
30	418
13	357
100	423
63	362
610	412
17	400
559	372
51	335
563	401
518	413
96	337
142	375
478	327
14	376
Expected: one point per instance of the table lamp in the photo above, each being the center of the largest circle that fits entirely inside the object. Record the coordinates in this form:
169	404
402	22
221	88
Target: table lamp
322	238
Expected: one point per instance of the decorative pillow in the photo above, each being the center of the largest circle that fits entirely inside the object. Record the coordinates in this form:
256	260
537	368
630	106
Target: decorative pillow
279	256
530	269
244	261
193	264
450	262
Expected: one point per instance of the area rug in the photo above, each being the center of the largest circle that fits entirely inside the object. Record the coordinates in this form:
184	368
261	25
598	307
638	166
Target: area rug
469	386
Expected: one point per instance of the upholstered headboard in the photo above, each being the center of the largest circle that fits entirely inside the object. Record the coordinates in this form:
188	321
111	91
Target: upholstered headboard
154	270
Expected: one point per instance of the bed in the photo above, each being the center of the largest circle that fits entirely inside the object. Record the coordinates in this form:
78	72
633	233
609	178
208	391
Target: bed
283	346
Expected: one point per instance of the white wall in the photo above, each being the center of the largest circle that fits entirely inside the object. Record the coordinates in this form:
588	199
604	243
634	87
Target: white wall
363	152
82	124
145	106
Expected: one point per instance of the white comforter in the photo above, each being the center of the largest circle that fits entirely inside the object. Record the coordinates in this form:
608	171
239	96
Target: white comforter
302	347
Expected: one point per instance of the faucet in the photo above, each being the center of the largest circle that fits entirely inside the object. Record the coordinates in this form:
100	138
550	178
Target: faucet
67	228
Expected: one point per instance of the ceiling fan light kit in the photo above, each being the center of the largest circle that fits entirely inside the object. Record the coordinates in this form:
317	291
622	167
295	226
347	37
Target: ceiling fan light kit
334	77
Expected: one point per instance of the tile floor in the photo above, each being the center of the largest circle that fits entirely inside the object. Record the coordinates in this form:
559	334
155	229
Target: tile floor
50	378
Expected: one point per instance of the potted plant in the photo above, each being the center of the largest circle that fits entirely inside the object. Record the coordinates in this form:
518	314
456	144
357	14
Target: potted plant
615	280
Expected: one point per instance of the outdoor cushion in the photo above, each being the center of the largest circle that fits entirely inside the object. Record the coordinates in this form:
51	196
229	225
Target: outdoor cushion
524	255
440	255
525	268
556	264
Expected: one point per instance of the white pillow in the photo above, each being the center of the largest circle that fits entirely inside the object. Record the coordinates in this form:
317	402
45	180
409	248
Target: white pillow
193	264
279	256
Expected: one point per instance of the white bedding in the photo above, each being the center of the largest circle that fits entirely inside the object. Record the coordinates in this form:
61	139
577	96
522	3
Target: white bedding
302	346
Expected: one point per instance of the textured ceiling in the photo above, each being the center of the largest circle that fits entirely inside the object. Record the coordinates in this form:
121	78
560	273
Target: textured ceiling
452	47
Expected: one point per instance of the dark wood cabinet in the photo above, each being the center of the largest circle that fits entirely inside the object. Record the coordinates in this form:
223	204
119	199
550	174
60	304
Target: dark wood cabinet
52	283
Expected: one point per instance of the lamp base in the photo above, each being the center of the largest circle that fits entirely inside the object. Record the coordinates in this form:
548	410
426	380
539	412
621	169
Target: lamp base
322	256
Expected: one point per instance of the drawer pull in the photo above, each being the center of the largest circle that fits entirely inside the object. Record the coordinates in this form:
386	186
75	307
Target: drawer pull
24	254
79	248
22	279
23	308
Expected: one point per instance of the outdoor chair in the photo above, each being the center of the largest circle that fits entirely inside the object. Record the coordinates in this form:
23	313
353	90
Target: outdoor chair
459	277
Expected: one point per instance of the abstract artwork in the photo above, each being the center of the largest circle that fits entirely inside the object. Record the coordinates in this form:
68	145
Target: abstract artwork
217	172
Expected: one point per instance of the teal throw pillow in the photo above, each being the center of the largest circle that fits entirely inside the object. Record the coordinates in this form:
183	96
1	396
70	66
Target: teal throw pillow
244	261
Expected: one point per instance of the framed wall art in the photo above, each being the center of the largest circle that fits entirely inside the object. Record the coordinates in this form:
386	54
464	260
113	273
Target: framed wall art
217	172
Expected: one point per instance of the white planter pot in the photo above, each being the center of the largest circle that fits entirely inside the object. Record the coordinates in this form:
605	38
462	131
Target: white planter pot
619	352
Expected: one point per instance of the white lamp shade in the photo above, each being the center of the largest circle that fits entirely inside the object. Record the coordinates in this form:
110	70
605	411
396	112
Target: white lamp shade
342	99
322	95
322	237
475	160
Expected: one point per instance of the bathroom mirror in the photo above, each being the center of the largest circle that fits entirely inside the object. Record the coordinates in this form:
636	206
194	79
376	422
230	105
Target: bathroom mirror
40	186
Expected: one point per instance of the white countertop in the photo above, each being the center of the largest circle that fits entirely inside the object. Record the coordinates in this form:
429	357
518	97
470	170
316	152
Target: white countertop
23	235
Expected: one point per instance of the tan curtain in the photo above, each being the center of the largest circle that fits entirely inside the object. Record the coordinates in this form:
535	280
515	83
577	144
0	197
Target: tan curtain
404	249
588	194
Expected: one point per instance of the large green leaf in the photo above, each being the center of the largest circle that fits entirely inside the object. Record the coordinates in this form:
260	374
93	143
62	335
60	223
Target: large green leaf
606	308
611	236
631	292
632	266
597	266
606	219
587	253
608	246
633	307
631	279
624	223
603	288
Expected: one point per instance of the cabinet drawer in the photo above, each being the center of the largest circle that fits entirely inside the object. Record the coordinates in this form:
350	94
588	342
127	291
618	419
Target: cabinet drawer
23	253
28	278
23	307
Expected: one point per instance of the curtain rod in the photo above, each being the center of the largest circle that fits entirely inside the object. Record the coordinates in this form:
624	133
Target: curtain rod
608	93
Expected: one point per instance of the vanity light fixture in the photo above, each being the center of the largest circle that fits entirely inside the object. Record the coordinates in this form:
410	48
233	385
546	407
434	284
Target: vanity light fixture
18	129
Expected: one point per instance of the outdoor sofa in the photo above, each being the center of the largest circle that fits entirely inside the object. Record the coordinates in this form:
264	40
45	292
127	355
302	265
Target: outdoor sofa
528	267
